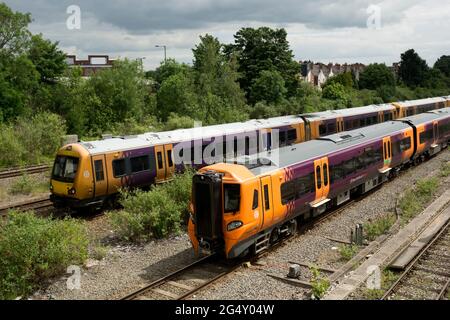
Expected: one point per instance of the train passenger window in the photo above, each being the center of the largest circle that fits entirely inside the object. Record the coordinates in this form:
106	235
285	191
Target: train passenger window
318	178
322	129
291	135
405	144
355	124
99	174
287	192
266	197
232	197
255	200
425	136
349	167
325	174
235	147
170	158
119	168
362	122
359	162
348	125
331	128
160	160
336	173
139	164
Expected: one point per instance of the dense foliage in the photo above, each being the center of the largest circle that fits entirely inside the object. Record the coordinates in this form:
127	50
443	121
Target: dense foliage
33	249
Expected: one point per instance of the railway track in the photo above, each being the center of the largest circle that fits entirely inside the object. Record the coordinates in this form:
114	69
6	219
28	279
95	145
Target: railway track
37	205
15	172
186	281
428	275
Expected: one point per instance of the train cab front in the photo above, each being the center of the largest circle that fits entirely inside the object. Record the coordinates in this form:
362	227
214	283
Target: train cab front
69	184
220	219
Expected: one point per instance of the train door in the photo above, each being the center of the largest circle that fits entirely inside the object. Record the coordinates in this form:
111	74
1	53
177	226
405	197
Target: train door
170	165
380	117
160	164
387	154
435	134
100	180
322	181
267	201
340	124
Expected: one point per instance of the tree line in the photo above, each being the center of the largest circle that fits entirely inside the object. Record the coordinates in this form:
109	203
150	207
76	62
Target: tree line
255	76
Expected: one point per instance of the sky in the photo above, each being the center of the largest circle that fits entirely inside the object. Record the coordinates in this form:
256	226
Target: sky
346	31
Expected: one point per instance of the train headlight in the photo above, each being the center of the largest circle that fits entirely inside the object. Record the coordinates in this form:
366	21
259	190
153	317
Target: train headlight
72	191
234	225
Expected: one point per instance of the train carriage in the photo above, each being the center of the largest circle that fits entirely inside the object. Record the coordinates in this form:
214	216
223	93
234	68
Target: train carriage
246	206
90	173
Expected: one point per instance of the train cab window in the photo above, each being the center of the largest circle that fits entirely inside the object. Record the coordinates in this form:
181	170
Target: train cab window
266	197
291	135
232	197
99	174
119	168
139	164
283	138
170	158
318	178
325	174
160	160
322	129
255	200
287	192
65	168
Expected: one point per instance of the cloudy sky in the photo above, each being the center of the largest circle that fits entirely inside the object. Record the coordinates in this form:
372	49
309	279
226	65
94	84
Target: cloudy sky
318	30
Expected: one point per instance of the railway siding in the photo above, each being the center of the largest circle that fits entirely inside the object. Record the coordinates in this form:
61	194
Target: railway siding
439	209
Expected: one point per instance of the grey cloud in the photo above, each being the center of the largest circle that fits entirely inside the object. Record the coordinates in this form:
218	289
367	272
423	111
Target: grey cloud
139	17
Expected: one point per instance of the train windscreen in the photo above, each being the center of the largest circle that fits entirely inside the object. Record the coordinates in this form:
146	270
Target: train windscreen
65	168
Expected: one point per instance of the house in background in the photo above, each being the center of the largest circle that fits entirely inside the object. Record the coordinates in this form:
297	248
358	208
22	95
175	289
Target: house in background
318	73
92	65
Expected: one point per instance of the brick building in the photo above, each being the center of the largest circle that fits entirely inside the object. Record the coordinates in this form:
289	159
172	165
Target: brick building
91	65
318	73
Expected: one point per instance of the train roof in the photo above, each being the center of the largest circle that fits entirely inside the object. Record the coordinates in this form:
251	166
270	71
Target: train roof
287	156
115	144
331	114
410	103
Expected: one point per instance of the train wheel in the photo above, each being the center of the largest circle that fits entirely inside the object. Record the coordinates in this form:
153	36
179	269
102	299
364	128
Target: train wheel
293	227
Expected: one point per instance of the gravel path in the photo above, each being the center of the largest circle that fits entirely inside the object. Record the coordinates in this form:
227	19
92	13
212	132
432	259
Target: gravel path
127	268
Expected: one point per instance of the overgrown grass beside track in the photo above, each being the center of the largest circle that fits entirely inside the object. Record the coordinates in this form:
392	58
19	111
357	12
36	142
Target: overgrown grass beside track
155	213
33	249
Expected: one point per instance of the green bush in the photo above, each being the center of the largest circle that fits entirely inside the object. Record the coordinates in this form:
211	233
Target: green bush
445	170
155	213
319	284
22	185
347	252
33	249
379	226
31	141
415	199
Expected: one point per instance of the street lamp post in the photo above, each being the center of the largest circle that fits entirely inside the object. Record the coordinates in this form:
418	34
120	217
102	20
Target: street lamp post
165	51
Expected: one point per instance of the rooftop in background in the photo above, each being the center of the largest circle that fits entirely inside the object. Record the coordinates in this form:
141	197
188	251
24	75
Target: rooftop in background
91	65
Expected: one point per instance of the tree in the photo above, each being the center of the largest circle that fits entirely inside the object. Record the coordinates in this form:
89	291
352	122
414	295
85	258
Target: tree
177	95
50	62
336	91
376	75
413	69
345	78
168	69
264	49
269	87
14	35
443	64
